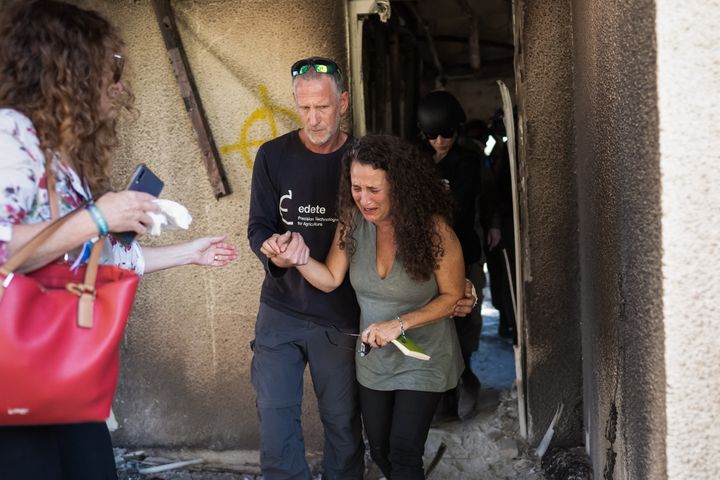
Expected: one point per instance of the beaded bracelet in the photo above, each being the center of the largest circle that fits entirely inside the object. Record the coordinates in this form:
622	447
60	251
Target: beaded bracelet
402	328
99	219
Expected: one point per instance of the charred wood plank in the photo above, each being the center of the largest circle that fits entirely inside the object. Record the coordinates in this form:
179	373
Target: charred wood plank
191	97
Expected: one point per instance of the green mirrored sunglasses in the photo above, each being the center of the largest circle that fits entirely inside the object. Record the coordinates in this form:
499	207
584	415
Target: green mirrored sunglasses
320	65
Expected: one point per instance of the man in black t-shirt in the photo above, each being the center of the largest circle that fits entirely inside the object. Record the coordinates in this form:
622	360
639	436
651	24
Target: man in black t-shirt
294	189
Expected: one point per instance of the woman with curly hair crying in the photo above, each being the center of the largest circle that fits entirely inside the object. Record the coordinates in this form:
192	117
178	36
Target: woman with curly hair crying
395	237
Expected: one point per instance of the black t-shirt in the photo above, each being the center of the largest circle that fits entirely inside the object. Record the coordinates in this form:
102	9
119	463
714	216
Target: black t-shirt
461	168
296	189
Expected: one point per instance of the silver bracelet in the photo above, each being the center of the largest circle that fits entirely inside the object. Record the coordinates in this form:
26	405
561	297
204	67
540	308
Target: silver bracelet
475	295
402	327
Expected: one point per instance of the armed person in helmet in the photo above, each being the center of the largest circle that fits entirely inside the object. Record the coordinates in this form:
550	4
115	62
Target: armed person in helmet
441	119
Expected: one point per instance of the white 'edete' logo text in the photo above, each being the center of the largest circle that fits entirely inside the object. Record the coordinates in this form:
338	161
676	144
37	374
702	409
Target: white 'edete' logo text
283	210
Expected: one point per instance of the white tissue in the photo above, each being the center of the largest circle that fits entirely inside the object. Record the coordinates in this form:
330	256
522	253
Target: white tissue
171	216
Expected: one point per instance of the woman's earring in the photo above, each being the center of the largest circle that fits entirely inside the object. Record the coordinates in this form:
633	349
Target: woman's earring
114	90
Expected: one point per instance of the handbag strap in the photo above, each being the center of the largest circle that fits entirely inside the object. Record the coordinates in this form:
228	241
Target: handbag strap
85	290
24	253
87	297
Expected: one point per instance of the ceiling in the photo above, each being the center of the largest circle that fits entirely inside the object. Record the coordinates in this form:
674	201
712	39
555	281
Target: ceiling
461	38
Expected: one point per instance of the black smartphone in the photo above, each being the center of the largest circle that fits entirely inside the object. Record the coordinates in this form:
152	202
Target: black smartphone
143	180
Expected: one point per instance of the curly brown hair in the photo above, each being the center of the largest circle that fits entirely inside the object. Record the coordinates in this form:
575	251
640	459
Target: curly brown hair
55	60
417	198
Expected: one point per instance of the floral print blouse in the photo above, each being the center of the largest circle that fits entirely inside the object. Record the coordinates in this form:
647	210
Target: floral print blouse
24	194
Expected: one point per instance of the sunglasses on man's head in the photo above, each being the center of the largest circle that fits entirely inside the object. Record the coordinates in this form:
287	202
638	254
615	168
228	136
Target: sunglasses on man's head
320	65
442	133
118	64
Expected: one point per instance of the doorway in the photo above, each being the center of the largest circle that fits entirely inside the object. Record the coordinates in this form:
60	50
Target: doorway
462	47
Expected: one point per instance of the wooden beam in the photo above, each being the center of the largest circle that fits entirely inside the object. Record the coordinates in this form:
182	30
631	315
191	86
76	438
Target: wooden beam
191	98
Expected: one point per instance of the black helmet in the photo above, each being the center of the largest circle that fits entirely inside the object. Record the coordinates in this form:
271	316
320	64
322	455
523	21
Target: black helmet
440	112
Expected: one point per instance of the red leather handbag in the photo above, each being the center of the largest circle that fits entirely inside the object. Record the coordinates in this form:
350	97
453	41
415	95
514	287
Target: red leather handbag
60	334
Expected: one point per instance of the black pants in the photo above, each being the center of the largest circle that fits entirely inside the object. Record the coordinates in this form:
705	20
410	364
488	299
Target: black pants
469	329
80	451
499	284
397	425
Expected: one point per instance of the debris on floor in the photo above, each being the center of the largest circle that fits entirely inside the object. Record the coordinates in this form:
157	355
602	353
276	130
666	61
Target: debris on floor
567	464
485	446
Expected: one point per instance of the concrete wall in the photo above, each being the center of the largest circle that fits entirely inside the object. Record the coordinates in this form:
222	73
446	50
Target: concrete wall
688	75
185	363
549	218
620	237
639	82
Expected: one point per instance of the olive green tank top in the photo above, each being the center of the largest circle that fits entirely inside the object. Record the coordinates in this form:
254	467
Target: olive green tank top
387	368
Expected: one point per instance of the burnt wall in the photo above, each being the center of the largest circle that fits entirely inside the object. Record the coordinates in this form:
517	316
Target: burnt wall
620	237
549	218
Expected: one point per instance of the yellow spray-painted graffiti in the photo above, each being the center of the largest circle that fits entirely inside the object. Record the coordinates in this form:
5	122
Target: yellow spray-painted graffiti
267	112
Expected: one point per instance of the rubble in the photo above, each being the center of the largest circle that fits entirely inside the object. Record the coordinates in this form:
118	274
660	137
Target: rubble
486	446
567	464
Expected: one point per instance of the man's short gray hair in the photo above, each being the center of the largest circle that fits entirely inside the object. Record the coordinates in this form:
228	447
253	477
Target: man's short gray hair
311	74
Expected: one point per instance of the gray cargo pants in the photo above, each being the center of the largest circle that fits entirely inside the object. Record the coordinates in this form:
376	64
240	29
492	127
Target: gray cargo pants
283	346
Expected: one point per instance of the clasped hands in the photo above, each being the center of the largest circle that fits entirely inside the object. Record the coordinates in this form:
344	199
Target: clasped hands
289	250
286	250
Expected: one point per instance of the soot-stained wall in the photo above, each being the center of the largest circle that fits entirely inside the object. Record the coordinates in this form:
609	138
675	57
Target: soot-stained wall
544	79
620	228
